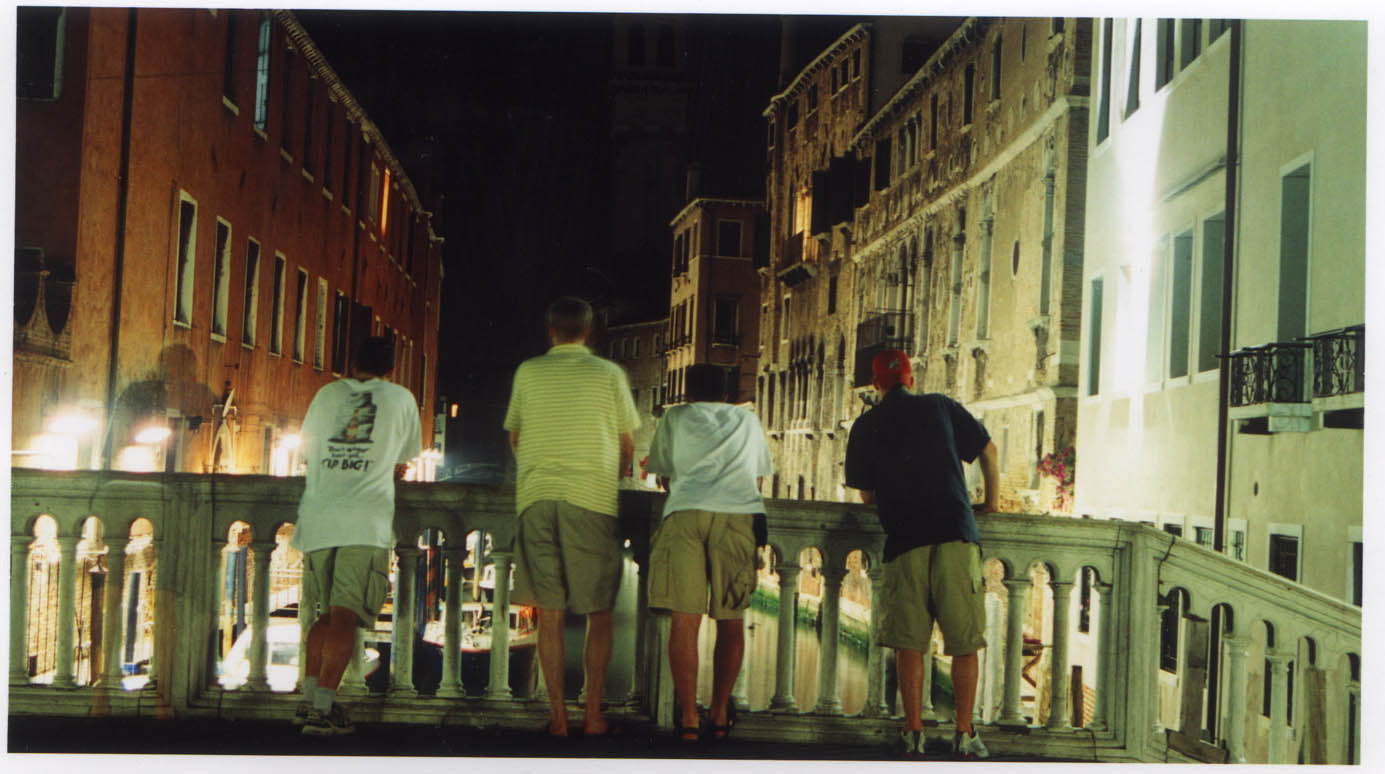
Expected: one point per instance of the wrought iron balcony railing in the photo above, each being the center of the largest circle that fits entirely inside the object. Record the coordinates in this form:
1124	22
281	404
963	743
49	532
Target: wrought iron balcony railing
1272	373
1339	362
885	329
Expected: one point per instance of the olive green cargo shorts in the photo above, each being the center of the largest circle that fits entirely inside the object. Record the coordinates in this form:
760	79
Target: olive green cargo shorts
938	582
567	557
703	562
354	577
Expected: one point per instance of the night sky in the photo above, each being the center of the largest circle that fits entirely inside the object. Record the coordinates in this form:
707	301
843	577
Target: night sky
508	118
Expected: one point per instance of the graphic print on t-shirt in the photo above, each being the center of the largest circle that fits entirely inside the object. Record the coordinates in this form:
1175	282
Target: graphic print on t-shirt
356	418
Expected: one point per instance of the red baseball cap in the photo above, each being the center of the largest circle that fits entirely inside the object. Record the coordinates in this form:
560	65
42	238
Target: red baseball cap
890	367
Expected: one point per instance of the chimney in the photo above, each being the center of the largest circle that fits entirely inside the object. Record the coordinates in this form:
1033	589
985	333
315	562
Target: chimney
786	51
693	189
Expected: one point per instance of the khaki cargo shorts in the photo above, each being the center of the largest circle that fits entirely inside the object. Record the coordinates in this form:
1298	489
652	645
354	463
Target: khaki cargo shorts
703	562
354	577
938	582
567	558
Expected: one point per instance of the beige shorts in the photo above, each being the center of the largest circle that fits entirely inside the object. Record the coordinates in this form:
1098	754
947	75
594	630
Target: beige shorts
567	557
703	562
938	582
354	577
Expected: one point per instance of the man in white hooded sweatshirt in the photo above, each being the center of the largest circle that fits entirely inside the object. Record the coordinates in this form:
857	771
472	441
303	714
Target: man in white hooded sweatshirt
358	435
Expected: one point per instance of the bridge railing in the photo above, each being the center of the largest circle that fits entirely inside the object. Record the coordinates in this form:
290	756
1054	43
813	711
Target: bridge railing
1107	640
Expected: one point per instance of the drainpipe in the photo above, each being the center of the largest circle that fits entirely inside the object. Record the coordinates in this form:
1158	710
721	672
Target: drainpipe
121	202
1233	117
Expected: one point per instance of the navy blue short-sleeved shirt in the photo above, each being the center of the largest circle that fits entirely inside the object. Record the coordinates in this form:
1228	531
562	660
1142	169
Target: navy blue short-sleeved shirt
909	449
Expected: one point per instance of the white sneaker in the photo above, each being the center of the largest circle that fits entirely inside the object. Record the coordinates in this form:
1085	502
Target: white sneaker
969	746
332	723
300	713
911	742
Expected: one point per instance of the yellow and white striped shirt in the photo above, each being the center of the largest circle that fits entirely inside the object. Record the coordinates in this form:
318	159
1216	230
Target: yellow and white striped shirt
570	408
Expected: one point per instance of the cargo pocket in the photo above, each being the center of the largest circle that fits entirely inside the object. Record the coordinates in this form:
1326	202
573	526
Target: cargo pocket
738	550
377	587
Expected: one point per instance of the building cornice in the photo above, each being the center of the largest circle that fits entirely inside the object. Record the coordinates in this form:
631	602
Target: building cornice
856	33
703	201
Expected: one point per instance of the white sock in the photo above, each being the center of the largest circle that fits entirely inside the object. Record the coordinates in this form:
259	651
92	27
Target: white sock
323	698
309	688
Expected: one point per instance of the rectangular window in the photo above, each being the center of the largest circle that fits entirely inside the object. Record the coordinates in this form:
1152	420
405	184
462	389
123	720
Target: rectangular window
1163	69
346	138
1293	253
1191	41
983	284
261	117
252	292
1154	332
39	52
309	105
1236	542
968	93
1210	302
832	294
1357	560
1094	338
1284	550
1204	536
187	245
793	114
284	119
228	79
373	206
1215	27
725	320
635	348
883	152
954	323
1180	306
300	317
327	147
729	238
995	69
1103	112
856	64
1037	445
1084	610
339	334
276	309
1168	634
1132	51
221	277
320	331
812	98
933	123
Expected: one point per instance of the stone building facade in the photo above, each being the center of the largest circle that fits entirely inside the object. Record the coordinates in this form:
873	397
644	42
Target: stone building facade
947	223
639	348
714	314
263	226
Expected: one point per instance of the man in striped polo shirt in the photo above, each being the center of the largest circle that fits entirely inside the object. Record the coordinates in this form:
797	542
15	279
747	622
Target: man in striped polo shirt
571	420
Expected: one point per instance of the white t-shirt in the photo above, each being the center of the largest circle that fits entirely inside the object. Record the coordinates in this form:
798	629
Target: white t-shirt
353	436
712	452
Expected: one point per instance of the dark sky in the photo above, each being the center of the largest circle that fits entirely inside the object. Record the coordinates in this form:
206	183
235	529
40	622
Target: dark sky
509	118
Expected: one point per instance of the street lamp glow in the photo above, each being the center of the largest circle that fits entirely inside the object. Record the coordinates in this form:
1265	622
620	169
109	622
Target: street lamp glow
153	435
72	424
290	441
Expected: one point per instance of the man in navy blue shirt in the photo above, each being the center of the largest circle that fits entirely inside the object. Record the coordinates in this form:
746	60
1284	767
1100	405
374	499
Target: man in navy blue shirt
905	456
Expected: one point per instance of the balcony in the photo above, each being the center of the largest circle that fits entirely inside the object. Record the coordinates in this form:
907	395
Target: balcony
796	268
165	537
882	330
1279	386
1339	362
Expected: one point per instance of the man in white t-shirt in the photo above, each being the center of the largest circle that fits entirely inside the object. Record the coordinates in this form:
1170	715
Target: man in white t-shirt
358	435
711	456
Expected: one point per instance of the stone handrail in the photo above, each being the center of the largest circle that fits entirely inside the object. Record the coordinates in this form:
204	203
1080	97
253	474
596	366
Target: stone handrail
1133	572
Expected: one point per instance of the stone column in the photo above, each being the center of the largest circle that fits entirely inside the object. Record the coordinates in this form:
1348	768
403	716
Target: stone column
1354	732
19	608
162	632
739	696
67	611
259	616
784	667
875	655
1279	694
499	687
1235	699
307	616
402	641
1156	701
112	622
1017	606
1058	719
1101	679
451	686
993	663
353	679
926	706
639	691
828	701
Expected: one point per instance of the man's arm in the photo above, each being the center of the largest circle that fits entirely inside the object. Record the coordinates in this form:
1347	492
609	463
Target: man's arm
867	496
627	453
990	474
514	440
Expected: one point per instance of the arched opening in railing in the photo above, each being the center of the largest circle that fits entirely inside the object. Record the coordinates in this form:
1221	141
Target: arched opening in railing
41	650
91	583
234	614
141	568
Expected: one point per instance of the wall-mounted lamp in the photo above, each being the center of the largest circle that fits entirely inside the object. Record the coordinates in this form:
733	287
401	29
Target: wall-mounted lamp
153	435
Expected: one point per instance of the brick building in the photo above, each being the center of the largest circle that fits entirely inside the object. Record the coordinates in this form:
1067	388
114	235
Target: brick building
714	295
206	220
639	348
946	221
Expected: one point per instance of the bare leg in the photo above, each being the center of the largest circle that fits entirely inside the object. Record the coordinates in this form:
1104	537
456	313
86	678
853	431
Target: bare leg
338	646
964	670
317	635
552	660
726	660
682	660
598	657
910	664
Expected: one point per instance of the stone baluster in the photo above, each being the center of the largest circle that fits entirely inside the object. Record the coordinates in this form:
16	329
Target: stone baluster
307	616
1354	731
643	623
67	611
259	616
992	661
740	697
499	687
1279	695
1235	700
1102	680
1058	719
353	679
784	666
402	642
875	655
112	622
162	630
828	701
451	686
1156	700
1017	607
926	705
19	608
